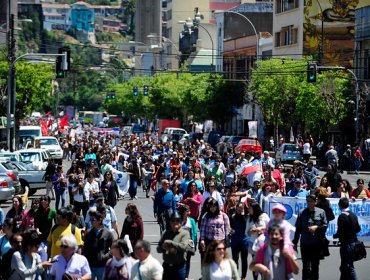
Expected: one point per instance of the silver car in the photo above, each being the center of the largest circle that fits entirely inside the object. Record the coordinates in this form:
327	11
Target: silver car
7	170
28	176
7	191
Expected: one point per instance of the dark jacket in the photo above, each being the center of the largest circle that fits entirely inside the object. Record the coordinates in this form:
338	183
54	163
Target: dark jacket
97	247
134	229
324	204
110	193
348	226
307	218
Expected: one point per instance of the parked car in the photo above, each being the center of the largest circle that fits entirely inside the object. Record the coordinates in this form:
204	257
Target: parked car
233	141
6	170
36	158
248	145
221	146
11	156
29	177
48	143
289	153
7	191
173	134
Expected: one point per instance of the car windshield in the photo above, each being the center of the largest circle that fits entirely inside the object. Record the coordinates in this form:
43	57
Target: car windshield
292	149
30	156
48	141
29	132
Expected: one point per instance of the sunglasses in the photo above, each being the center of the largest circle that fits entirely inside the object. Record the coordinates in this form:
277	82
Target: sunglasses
175	220
220	249
64	246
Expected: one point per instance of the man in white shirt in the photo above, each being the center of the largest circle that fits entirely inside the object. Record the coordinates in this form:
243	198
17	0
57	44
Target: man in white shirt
306	151
147	268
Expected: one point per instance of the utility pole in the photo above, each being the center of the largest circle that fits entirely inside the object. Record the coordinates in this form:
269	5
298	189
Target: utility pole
11	97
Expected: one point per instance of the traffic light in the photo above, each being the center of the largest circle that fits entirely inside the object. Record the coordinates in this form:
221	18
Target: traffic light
135	91
59	72
146	90
110	95
311	72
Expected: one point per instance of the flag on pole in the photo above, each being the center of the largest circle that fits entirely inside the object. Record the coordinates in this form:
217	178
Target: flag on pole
64	121
44	128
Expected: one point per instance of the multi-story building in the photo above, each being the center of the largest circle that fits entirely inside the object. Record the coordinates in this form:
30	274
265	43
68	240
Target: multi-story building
56	16
4	13
82	15
321	28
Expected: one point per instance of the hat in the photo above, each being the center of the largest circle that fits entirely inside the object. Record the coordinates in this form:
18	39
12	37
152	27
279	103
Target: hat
99	196
297	181
176	215
279	207
266	152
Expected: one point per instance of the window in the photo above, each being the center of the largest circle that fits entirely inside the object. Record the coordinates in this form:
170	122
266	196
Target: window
287	36
286	5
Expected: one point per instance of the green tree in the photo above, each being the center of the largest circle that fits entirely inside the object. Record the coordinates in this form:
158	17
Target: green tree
286	98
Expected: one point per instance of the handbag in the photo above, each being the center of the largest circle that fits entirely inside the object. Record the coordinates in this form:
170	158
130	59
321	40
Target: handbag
190	247
324	248
359	251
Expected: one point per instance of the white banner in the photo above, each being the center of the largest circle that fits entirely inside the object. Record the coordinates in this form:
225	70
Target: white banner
295	205
123	181
252	126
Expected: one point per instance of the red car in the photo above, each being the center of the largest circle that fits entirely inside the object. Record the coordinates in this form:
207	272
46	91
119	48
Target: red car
248	145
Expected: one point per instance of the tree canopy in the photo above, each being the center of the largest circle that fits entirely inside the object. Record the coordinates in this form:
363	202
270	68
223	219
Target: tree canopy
287	99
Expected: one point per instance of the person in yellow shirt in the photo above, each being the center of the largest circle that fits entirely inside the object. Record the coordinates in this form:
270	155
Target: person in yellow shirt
63	228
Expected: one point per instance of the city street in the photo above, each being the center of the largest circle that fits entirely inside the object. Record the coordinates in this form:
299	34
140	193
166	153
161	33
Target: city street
329	268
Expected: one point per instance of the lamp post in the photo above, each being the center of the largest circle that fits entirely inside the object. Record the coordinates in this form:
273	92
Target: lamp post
165	39
321	46
249	21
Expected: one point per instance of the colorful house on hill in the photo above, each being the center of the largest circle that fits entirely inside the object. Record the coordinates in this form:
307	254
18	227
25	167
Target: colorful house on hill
82	15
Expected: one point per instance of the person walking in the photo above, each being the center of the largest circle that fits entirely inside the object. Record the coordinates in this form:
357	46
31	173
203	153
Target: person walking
272	261
173	245
164	205
135	177
148	267
348	227
217	264
97	245
133	224
48	177
310	226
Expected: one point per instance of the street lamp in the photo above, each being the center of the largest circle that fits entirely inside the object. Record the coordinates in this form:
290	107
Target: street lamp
249	21
165	39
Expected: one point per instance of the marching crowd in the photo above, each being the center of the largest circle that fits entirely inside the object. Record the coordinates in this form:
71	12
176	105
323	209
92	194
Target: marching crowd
202	201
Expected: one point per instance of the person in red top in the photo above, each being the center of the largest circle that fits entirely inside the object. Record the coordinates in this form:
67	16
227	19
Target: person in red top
357	160
360	192
192	198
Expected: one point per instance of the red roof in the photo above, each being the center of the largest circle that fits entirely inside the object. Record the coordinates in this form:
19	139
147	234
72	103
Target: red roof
83	4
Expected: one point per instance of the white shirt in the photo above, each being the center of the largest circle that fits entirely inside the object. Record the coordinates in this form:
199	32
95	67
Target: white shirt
306	148
79	197
216	195
220	271
150	269
91	188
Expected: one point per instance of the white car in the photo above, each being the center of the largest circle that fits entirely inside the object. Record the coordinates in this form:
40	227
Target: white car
37	158
173	134
48	143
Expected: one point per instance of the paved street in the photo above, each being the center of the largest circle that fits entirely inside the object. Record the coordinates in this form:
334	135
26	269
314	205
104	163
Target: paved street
329	269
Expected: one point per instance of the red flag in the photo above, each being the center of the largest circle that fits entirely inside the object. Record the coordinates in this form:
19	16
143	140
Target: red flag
50	122
48	113
44	128
64	121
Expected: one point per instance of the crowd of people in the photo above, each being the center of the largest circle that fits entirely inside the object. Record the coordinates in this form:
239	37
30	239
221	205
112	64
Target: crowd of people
202	202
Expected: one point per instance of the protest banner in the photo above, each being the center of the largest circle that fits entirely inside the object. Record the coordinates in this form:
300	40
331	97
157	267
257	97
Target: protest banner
361	208
123	181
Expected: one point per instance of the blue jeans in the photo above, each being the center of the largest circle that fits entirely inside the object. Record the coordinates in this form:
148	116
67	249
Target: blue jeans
60	193
171	272
133	188
97	273
347	270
